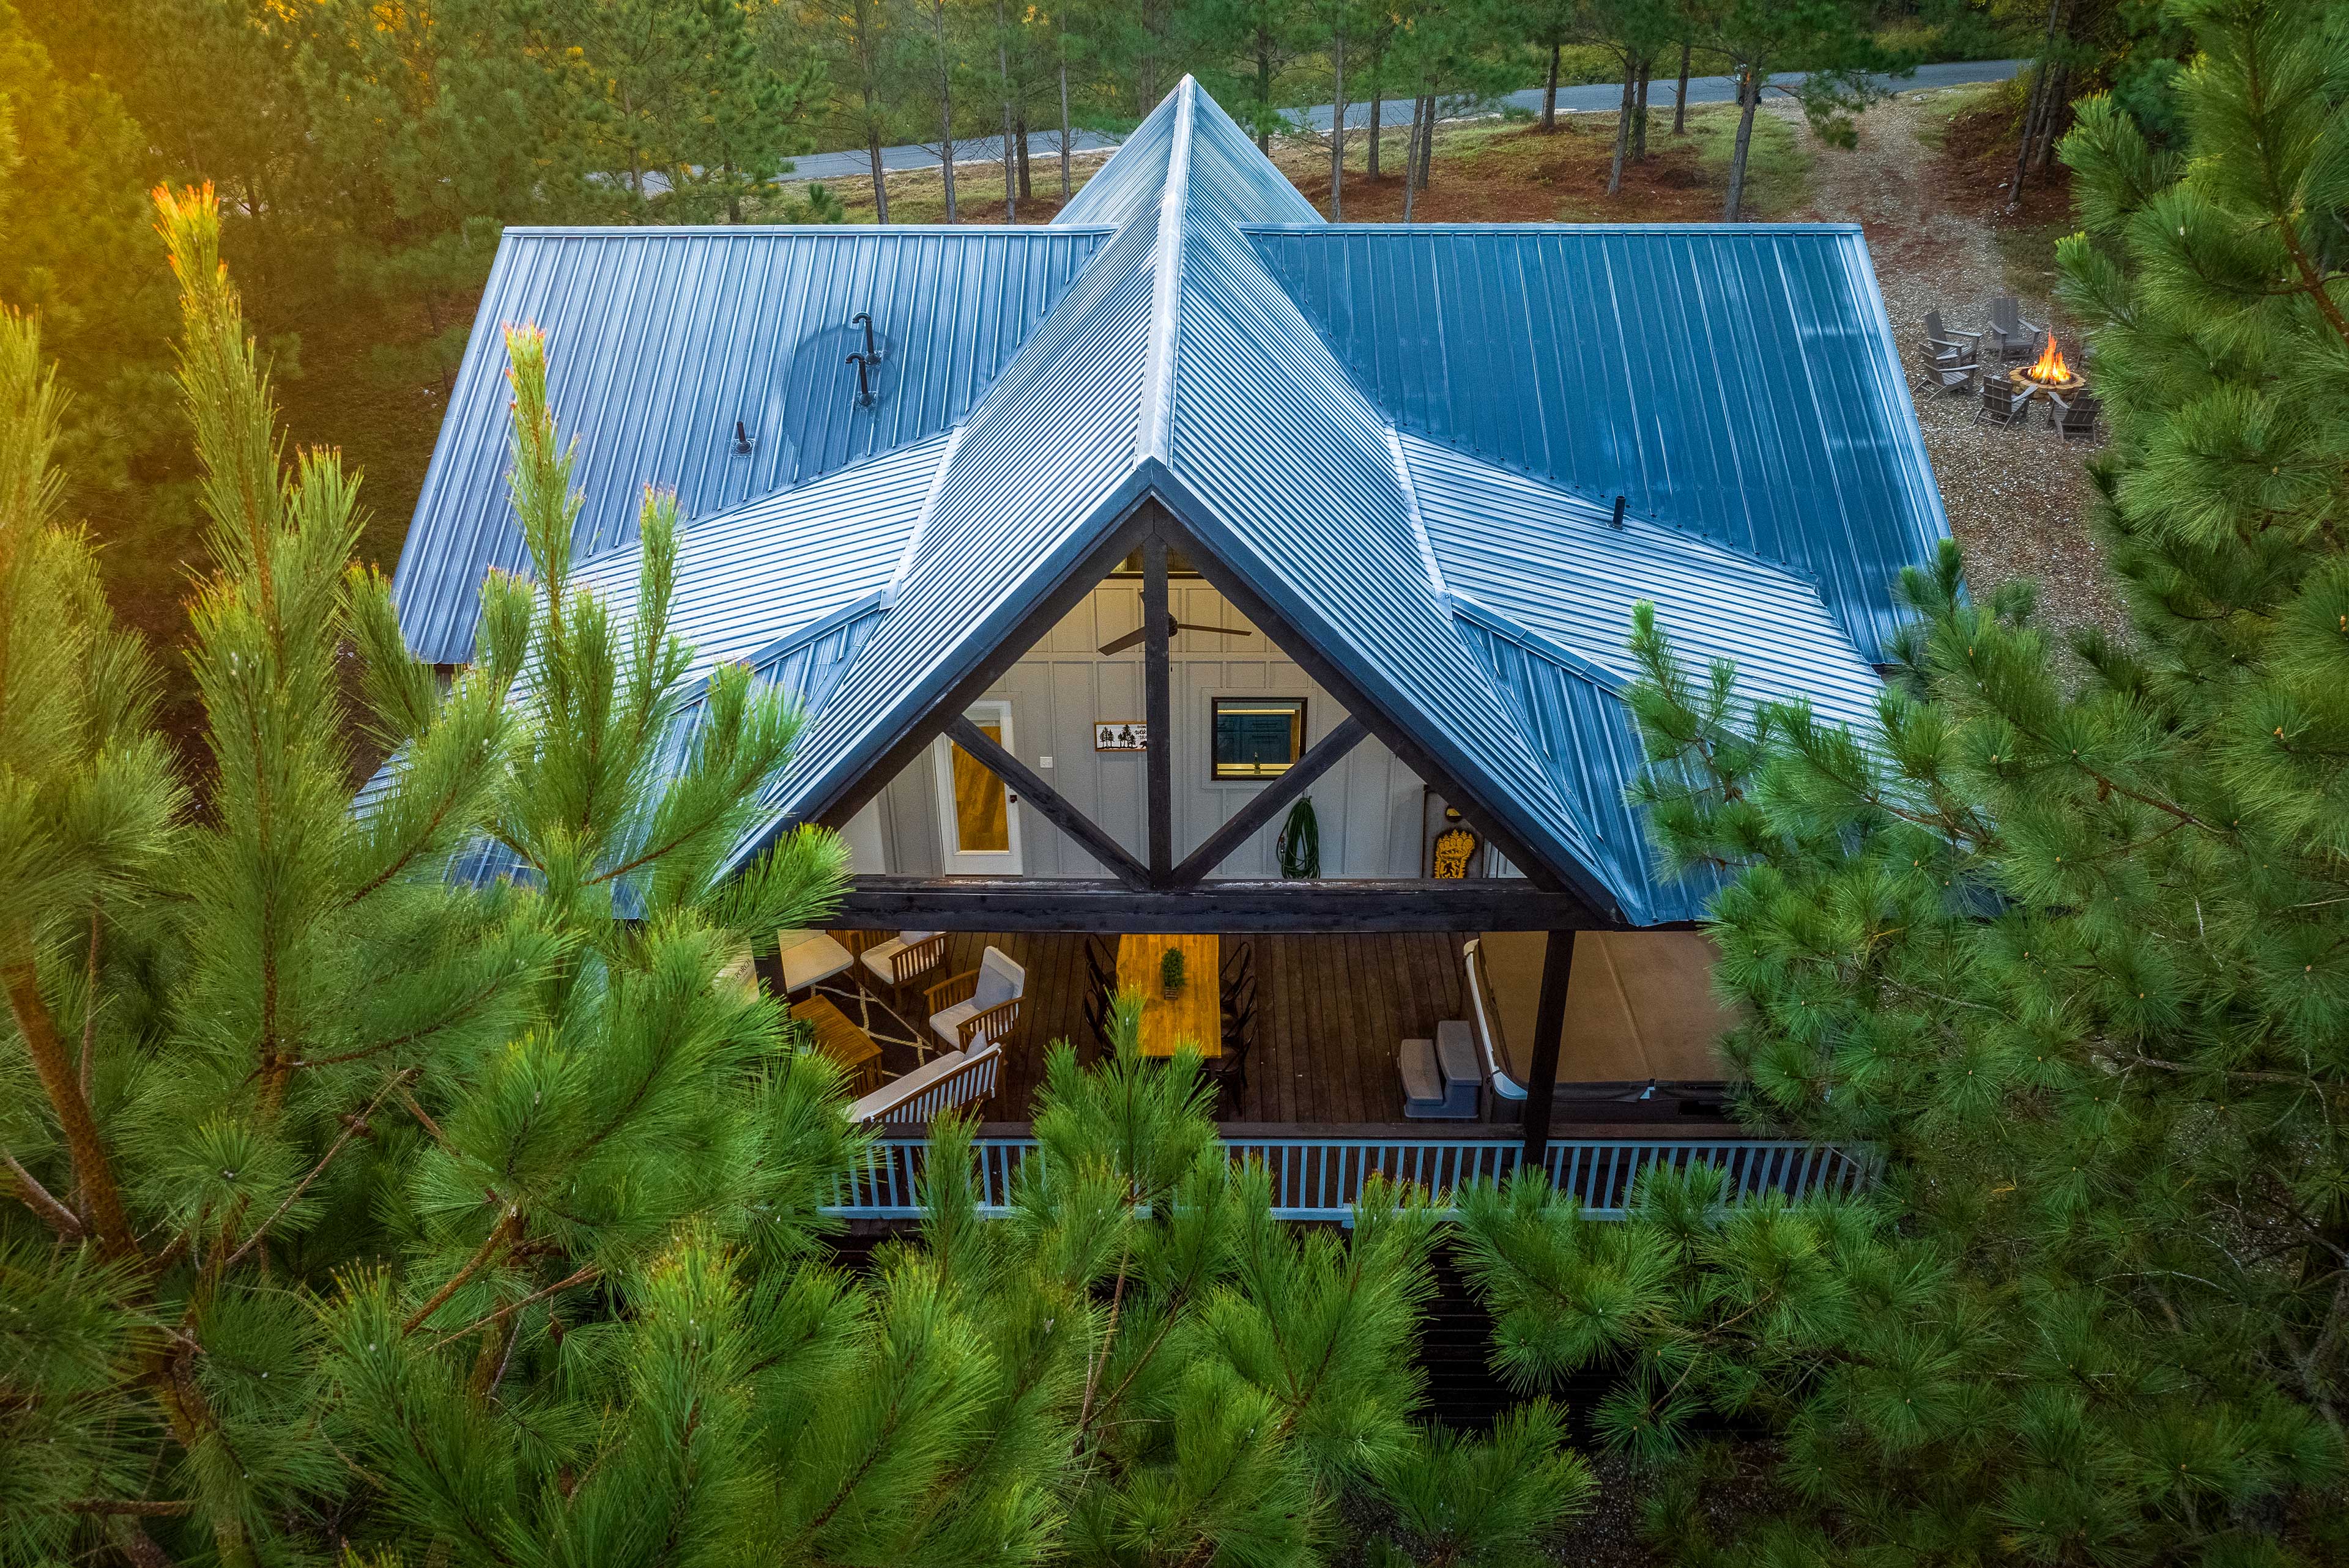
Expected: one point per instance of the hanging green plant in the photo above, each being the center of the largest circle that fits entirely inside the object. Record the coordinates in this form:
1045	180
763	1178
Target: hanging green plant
1299	844
1170	973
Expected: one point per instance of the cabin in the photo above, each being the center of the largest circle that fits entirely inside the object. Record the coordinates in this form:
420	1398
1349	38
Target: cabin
1197	600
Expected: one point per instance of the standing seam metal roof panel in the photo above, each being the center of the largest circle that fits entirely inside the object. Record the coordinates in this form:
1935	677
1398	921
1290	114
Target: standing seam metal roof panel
661	339
1737	381
775	565
1035	465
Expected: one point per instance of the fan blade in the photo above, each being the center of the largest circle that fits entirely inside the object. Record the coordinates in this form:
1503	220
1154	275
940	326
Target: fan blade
1121	644
1227	631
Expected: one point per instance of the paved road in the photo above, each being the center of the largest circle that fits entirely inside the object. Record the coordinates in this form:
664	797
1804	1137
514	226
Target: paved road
1044	146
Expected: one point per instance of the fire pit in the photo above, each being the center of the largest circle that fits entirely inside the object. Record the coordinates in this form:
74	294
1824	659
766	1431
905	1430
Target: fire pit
2049	373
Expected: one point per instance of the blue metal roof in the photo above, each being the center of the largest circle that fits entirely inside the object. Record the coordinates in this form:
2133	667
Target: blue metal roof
1407	441
1738	380
773	566
661	339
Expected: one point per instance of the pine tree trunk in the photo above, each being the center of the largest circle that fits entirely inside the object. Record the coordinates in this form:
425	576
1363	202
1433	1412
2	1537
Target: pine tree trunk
1410	160
1020	127
1549	89
1338	110
1263	89
2037	109
1622	135
1640	112
93	1170
946	111
1377	103
1003	69
1749	99
1066	189
880	181
2047	128
1679	94
1426	166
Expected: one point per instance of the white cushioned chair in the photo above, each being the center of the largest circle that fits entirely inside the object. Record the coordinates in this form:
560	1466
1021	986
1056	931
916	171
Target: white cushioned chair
904	957
979	1006
809	956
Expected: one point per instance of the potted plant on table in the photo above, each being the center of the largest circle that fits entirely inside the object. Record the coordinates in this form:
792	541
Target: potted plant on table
1170	973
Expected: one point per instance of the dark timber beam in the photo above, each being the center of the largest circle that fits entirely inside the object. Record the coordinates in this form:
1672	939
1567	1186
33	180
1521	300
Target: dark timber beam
1340	684
1159	703
1080	579
1048	802
1327	753
1549	1027
1224	907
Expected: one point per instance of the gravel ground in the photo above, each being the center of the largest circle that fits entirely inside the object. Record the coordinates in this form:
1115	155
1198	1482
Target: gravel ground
2016	498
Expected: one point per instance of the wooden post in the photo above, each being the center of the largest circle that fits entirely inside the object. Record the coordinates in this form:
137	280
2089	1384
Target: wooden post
1158	708
1549	1026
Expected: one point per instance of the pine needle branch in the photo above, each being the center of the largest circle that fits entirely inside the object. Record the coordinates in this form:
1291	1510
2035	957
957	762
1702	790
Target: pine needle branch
349	1130
42	1201
581	1276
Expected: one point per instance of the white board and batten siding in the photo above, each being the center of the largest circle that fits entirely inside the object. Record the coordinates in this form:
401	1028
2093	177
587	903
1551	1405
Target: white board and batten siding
1369	806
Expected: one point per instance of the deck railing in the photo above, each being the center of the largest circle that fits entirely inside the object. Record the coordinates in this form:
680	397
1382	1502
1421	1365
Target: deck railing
1318	1174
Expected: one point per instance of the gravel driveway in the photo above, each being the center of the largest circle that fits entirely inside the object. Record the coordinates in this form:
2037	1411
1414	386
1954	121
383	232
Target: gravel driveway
2016	498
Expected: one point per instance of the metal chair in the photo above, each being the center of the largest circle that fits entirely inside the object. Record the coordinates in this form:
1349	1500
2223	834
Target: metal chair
1100	965
2005	401
2013	337
1229	1072
1239	1001
2073	417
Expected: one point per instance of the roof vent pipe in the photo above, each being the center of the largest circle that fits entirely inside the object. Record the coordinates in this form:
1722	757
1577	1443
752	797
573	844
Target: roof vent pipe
1617	521
872	349
863	379
743	442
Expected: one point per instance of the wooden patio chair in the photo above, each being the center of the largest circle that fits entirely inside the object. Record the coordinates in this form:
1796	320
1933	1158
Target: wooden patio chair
1952	374
1943	342
980	1007
904	957
2011	335
2073	417
2005	401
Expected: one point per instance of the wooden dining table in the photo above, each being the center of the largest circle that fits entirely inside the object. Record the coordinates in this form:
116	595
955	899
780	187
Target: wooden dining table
1196	1016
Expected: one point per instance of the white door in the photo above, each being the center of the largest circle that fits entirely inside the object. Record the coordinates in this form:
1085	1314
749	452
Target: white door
978	826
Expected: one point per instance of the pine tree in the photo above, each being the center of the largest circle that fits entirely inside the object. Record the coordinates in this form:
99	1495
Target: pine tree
361	1212
2064	937
270	1043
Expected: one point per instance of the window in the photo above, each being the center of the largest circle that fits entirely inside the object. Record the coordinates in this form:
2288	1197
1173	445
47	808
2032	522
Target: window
1257	738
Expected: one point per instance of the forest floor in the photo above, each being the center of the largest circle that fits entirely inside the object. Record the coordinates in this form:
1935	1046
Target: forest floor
1926	184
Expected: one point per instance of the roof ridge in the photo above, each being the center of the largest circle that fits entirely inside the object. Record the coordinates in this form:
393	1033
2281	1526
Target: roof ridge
1467	607
1154	436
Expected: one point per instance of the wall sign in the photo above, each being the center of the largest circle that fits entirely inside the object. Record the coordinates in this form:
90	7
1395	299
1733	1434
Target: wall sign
1121	735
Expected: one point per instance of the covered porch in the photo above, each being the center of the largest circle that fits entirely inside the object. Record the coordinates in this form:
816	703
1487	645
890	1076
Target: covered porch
1330	1014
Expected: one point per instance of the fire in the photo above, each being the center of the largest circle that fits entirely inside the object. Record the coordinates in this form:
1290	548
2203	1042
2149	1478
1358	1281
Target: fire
2050	368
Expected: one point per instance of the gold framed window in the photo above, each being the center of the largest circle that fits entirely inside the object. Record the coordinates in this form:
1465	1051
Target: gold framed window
1257	737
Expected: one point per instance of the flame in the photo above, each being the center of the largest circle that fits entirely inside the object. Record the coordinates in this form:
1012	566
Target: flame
2050	367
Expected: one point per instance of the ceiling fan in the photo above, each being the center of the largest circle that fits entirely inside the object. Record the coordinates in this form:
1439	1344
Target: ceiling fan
1173	626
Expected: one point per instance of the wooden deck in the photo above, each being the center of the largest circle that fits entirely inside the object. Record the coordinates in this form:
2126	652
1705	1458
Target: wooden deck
1330	1011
